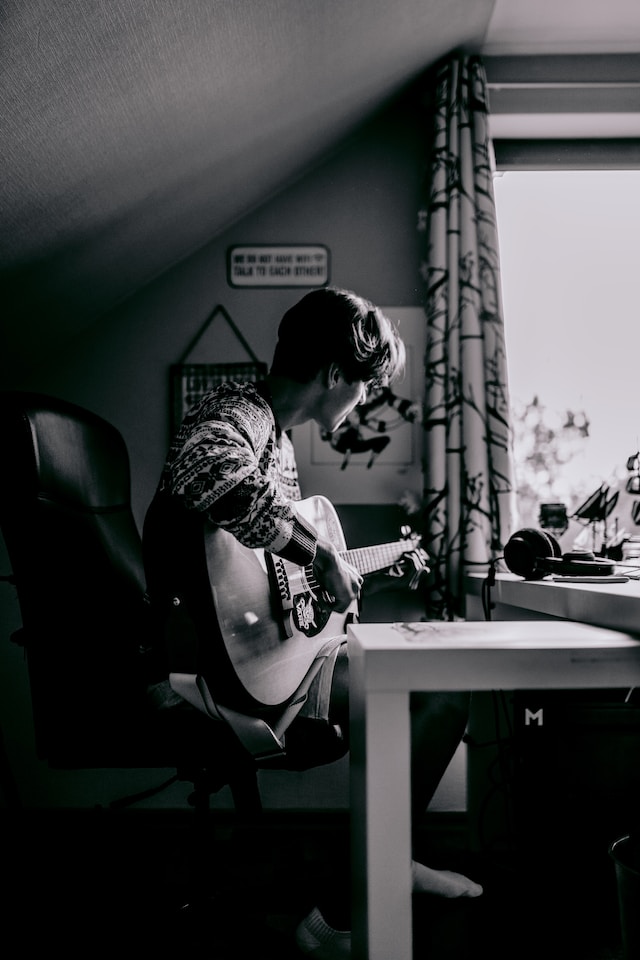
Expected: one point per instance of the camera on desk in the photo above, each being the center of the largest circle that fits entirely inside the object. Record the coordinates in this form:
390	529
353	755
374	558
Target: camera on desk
534	554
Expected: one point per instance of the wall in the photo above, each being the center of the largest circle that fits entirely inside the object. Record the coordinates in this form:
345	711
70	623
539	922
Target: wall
361	203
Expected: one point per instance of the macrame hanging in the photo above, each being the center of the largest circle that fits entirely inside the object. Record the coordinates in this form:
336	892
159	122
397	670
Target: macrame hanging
191	381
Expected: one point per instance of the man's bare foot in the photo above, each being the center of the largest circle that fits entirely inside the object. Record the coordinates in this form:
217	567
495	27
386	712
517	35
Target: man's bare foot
442	883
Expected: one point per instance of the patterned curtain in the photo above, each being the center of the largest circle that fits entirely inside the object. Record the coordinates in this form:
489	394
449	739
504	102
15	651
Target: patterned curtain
468	471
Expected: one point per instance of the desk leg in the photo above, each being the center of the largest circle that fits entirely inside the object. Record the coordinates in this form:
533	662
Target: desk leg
381	826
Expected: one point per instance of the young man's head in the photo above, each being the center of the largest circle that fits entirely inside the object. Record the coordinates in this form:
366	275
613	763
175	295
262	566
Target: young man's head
334	326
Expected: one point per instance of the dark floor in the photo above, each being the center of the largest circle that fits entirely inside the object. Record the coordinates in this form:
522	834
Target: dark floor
103	883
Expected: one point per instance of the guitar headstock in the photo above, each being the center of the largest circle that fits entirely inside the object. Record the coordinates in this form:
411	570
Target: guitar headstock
419	559
415	560
413	539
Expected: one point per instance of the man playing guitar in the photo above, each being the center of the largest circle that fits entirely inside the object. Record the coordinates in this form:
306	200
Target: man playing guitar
231	474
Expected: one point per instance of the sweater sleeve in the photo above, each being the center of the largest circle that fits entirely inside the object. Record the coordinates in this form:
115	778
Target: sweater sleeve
225	465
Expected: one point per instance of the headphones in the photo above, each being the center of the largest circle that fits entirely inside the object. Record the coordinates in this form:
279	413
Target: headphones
533	554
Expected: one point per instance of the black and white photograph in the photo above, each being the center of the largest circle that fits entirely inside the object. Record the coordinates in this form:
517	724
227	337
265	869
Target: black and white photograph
320	479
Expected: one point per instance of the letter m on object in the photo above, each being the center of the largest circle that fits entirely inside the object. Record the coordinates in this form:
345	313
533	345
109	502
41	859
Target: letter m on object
533	717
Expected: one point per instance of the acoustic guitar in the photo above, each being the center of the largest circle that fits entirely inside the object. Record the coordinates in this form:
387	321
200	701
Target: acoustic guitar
272	615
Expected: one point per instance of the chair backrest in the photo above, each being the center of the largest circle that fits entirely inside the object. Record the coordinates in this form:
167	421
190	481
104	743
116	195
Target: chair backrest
76	557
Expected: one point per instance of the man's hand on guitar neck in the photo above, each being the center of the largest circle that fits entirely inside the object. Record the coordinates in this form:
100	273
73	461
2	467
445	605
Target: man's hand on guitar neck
340	582
407	573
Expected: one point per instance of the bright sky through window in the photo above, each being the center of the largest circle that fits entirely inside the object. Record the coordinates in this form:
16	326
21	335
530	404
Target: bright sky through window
570	262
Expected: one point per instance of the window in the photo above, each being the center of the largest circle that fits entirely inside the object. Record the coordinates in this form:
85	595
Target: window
570	263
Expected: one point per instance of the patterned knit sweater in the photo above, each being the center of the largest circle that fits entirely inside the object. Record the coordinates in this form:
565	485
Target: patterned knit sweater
230	461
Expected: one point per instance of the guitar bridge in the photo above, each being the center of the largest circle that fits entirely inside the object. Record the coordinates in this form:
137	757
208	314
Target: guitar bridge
281	581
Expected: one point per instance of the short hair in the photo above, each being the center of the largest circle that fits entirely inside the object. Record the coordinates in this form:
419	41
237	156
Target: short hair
331	325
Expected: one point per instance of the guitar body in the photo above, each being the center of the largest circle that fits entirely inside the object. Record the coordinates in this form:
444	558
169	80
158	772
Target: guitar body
271	617
270	612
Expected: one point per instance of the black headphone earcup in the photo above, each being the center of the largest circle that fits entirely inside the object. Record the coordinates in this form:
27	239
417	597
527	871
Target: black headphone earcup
555	545
526	551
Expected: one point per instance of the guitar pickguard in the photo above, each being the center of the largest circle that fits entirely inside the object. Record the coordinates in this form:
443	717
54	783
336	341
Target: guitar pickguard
302	609
307	615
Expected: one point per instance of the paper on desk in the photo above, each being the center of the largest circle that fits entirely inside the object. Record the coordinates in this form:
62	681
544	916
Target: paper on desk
507	634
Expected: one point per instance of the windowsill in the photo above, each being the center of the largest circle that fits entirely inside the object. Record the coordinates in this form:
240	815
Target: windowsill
612	605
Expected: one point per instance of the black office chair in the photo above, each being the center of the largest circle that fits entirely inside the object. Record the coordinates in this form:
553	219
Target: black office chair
93	645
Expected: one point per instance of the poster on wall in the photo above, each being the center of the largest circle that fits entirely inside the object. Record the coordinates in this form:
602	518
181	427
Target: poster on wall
376	456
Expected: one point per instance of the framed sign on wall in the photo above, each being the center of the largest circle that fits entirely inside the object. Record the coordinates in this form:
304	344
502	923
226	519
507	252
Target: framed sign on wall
286	265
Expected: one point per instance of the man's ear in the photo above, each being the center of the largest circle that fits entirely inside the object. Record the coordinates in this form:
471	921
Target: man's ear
333	375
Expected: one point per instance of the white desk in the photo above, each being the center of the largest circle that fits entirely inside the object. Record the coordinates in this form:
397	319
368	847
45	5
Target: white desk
602	604
387	662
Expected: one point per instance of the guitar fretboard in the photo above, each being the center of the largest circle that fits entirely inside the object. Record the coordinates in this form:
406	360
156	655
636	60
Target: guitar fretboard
371	559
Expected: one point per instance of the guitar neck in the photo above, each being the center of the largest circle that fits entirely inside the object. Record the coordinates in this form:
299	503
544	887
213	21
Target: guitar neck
372	559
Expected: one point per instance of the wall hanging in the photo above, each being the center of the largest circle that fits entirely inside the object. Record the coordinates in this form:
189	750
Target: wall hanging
191	381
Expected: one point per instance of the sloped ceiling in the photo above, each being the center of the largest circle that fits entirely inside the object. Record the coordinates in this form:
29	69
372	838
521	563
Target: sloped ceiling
132	132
